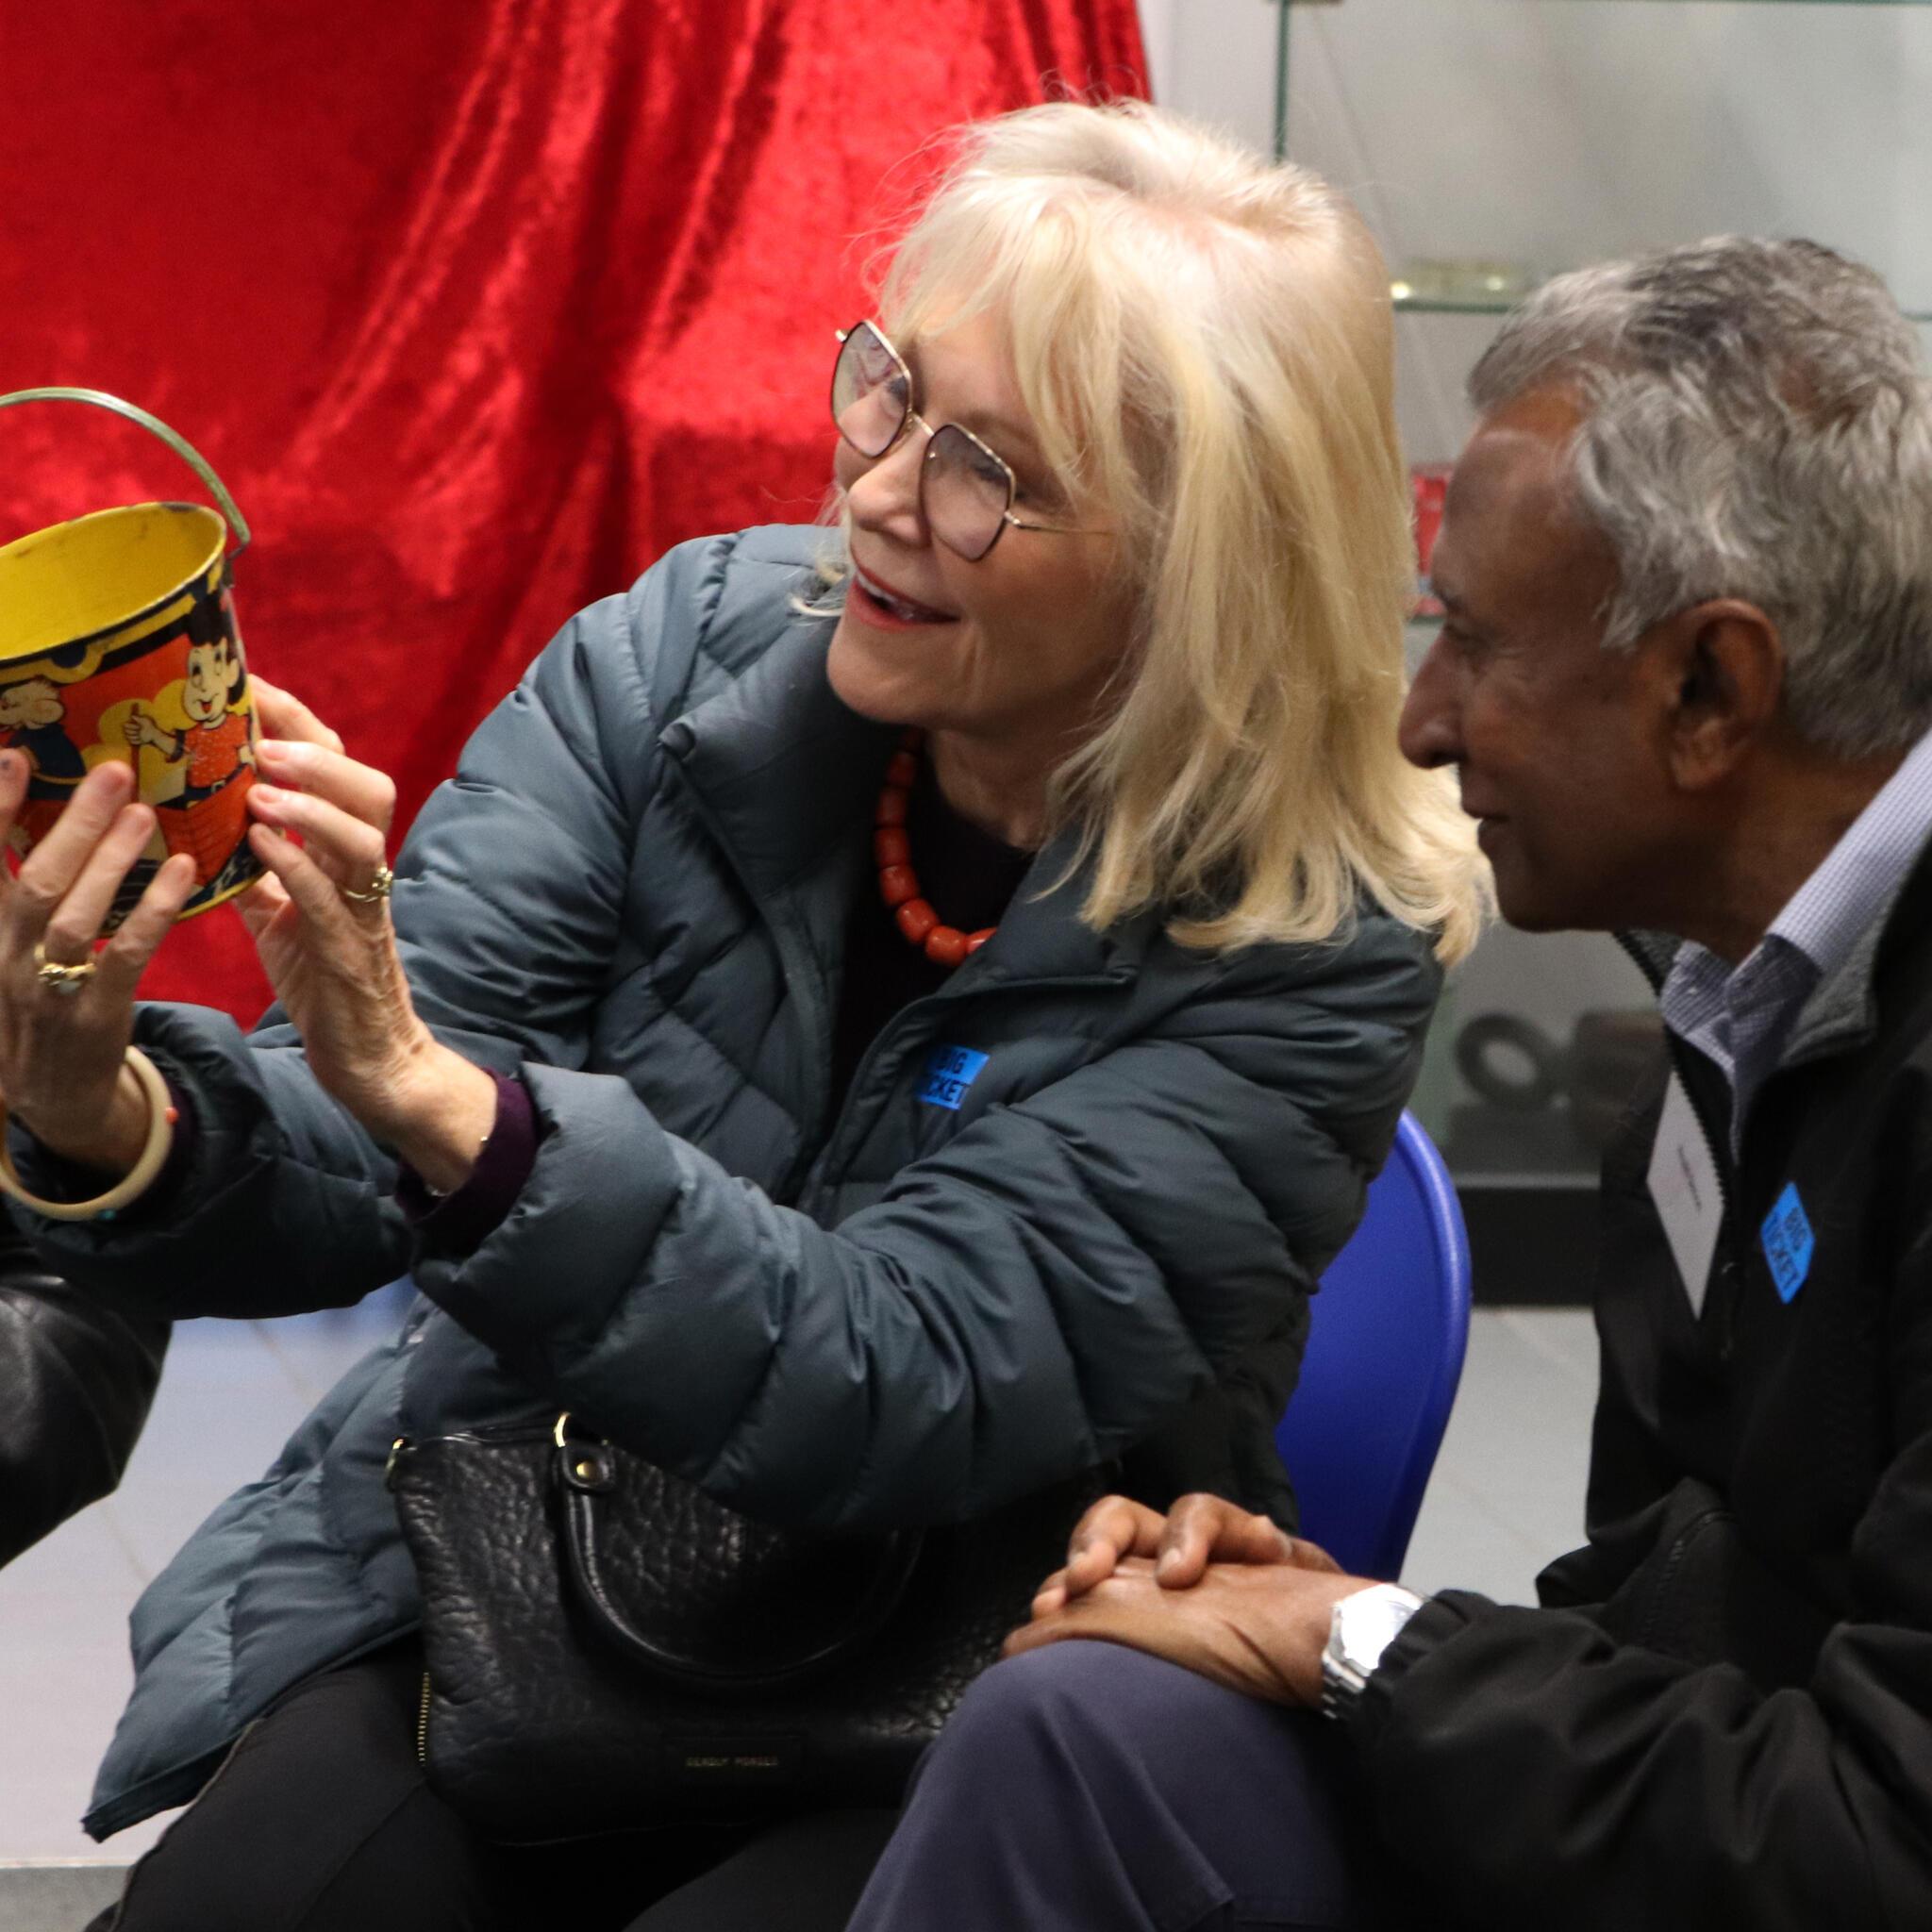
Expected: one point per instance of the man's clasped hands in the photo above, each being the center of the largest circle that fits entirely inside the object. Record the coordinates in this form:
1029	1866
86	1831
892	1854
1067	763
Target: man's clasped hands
1226	1593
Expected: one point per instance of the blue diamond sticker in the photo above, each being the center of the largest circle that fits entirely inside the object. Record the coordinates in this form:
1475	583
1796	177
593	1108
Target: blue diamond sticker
1787	1243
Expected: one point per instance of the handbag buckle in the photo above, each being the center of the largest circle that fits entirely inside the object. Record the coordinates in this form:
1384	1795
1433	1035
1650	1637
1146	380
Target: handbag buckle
584	1465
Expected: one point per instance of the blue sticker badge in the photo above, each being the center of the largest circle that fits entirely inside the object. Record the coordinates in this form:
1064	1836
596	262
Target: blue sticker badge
1787	1243
948	1073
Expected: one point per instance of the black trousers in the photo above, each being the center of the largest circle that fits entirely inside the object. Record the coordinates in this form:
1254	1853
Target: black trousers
321	1820
1086	1788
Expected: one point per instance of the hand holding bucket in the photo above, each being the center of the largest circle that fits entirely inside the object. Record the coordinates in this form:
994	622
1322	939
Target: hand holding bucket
119	648
118	640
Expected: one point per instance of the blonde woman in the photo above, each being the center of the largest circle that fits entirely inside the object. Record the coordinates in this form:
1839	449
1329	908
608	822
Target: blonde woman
874	1051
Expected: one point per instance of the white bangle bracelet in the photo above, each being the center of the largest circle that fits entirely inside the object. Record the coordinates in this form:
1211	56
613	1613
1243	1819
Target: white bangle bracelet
138	1178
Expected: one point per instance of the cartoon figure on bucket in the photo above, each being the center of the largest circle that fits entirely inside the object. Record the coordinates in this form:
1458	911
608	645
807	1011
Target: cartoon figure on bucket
33	719
204	817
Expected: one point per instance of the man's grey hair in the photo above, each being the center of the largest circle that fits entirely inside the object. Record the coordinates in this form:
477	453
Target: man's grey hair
1758	425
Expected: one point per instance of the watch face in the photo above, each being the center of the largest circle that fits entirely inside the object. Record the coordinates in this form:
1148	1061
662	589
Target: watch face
1367	1624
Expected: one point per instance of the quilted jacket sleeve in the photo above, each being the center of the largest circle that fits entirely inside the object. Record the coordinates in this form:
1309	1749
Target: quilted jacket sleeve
1062	1275
287	1204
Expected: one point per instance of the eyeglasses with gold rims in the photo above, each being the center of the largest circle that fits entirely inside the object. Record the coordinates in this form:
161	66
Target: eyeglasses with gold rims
966	488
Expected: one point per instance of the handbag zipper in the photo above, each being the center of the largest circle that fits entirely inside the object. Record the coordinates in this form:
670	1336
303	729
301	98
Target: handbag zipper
422	1723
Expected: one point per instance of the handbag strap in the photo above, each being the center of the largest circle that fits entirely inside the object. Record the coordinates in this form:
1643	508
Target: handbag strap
586	1471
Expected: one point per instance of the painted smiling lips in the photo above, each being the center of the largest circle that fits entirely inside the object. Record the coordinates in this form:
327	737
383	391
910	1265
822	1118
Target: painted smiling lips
889	604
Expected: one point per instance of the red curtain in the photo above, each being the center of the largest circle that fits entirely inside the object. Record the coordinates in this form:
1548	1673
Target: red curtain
476	306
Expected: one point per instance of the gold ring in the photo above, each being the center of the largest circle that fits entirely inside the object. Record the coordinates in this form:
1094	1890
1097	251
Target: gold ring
378	887
59	978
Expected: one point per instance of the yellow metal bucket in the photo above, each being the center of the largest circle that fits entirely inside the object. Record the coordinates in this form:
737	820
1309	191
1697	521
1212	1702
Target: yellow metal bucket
118	640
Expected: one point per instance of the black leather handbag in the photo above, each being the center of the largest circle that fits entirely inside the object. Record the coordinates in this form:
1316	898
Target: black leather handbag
607	1648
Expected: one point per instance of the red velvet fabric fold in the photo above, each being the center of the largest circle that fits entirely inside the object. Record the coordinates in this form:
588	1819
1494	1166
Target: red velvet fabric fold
476	308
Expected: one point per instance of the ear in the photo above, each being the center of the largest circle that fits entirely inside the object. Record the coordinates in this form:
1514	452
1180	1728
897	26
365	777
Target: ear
1724	664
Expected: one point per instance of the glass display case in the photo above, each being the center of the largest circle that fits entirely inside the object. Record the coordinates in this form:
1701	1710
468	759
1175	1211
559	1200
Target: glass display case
1488	143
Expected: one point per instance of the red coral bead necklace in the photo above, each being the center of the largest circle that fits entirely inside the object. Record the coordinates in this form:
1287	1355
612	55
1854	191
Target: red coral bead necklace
945	946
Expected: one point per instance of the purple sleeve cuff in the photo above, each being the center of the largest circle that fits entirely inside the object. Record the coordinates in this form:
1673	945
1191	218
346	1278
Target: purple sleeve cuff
460	1221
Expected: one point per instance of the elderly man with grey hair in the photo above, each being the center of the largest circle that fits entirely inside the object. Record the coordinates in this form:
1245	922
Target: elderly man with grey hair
1686	684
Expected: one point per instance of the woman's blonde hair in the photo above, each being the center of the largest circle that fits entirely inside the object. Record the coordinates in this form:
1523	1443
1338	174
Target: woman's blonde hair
1204	343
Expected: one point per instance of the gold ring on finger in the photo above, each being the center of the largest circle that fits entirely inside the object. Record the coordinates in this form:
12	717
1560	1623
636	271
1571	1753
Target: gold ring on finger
56	976
378	887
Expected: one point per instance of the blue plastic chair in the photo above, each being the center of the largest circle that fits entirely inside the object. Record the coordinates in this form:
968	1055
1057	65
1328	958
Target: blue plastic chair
1385	1352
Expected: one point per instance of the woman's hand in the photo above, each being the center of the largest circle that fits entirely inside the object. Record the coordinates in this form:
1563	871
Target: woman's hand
332	960
63	1069
1174	1549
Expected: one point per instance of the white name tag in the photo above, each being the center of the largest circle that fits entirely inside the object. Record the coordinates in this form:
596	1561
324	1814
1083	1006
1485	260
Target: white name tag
1684	1184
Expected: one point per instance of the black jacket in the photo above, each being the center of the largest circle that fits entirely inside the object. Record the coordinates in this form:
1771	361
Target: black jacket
75	1380
1723	1716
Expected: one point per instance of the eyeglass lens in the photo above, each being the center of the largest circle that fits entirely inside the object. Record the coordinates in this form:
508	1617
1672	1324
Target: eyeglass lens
870	392
964	489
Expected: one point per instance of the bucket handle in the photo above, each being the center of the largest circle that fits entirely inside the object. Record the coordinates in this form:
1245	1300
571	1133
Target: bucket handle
178	444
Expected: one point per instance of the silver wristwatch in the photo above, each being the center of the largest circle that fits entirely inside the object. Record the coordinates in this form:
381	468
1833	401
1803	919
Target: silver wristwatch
1360	1629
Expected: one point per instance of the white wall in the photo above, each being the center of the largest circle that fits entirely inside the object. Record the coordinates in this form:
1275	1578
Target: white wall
1550	132
1214	59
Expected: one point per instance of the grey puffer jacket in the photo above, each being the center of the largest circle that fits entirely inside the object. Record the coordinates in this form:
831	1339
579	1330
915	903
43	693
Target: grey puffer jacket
1097	1239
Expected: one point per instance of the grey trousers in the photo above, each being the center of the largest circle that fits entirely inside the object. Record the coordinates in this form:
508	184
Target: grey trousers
1086	1788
